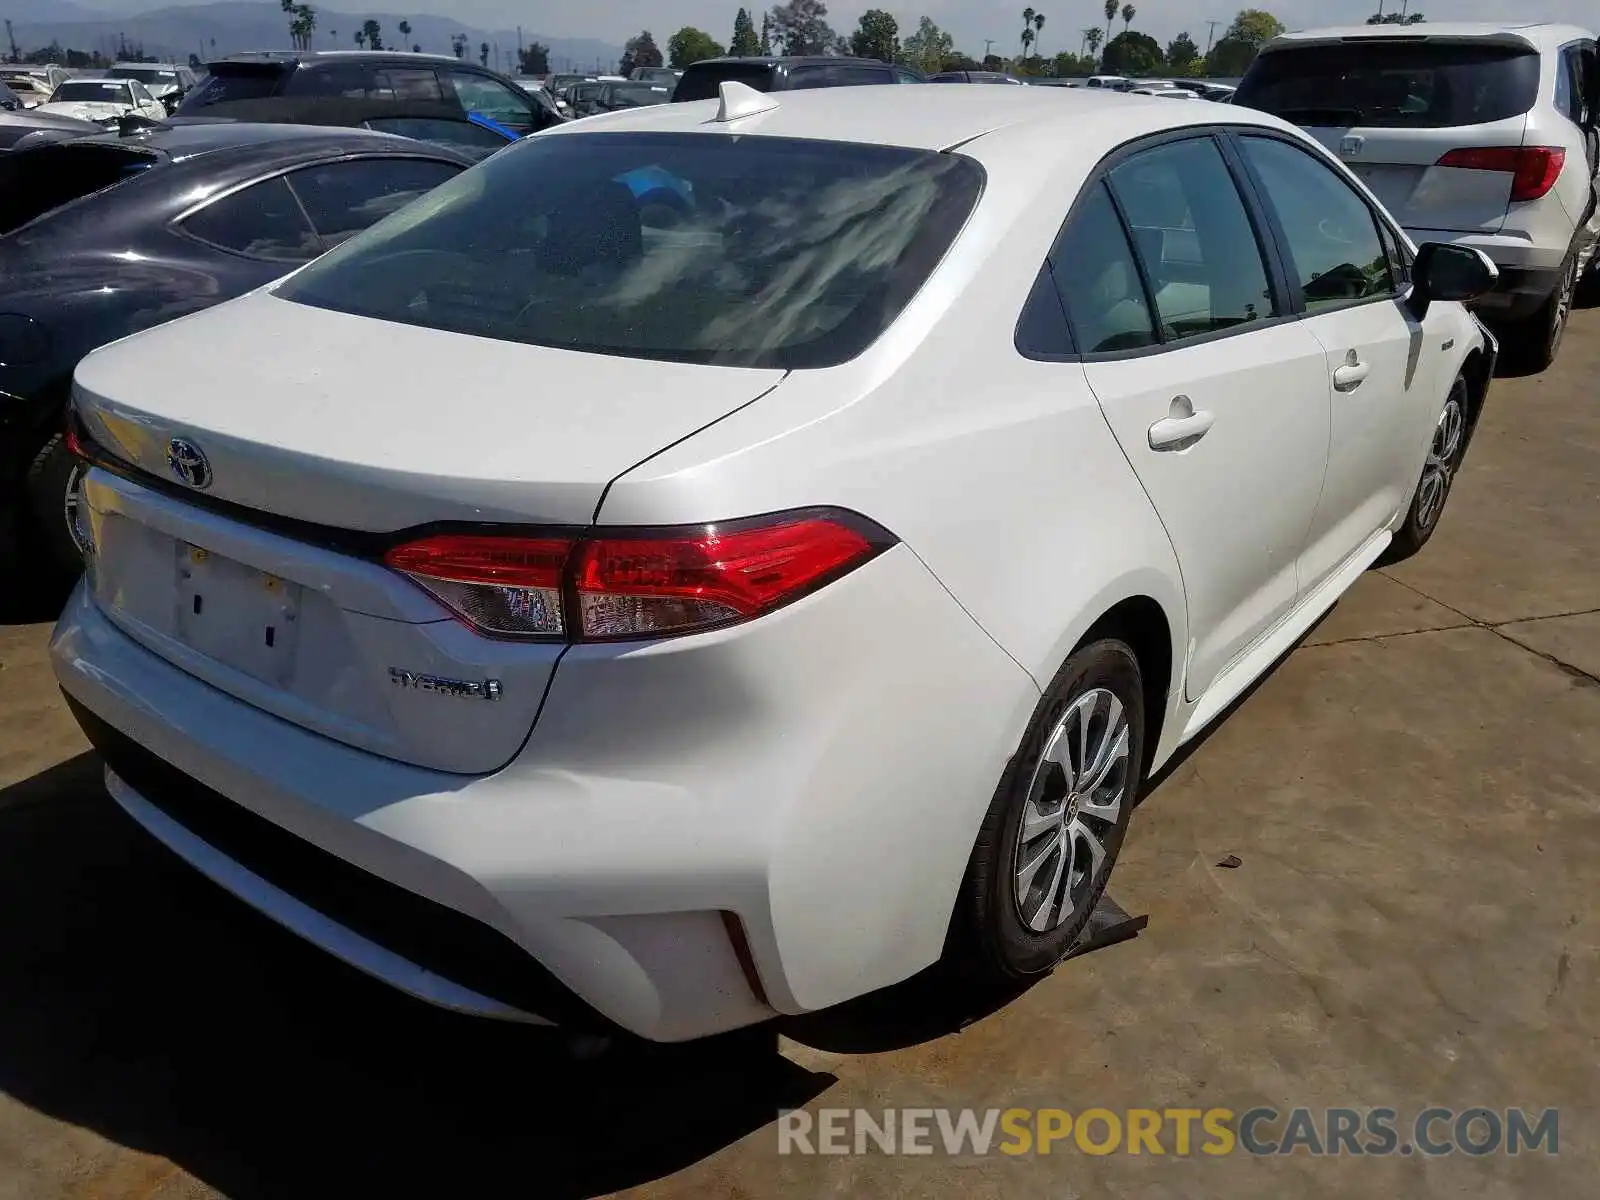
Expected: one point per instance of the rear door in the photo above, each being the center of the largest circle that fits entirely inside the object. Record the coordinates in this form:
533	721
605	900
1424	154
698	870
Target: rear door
1217	396
1393	107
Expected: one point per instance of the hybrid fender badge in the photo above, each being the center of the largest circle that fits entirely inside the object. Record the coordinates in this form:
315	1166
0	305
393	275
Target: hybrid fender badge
487	689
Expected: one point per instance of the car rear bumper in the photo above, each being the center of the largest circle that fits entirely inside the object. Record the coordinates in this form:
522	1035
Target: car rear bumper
672	857
1529	272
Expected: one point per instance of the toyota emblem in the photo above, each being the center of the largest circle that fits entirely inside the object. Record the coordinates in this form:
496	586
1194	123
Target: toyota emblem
189	463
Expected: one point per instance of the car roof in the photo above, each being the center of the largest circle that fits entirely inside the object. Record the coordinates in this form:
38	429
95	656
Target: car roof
152	66
185	137
930	118
1540	35
306	57
773	60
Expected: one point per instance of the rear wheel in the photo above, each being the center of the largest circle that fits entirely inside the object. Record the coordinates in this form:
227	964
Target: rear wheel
53	494
1445	452
1532	344
1056	825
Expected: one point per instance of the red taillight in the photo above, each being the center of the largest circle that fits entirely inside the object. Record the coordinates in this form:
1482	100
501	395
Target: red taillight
637	583
1533	169
503	586
74	445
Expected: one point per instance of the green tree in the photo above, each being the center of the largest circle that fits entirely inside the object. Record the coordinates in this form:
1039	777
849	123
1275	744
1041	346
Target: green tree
928	47
690	45
801	27
1067	64
1038	31
877	36
374	34
640	51
361	39
534	59
1183	56
993	62
766	33
1236	48
1027	31
405	31
1132	54
483	54
1111	15
745	43
1092	37
1128	12
458	44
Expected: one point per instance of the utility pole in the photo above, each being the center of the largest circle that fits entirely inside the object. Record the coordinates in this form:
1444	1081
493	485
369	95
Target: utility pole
11	40
987	42
1211	34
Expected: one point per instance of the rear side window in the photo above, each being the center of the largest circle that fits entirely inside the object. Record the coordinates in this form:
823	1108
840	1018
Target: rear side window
1099	279
467	136
261	221
1393	85
34	182
407	83
1193	238
346	197
702	82
753	251
837	76
234	81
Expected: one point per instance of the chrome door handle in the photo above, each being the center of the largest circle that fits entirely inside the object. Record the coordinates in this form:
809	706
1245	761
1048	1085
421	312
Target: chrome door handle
1348	377
1181	427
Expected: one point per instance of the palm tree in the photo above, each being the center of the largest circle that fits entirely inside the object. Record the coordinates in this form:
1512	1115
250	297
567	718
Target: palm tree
1091	40
1027	40
1038	29
1111	15
405	31
1127	16
361	39
1027	30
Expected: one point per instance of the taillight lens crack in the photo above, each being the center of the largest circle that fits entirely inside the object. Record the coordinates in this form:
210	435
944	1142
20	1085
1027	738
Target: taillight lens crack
608	585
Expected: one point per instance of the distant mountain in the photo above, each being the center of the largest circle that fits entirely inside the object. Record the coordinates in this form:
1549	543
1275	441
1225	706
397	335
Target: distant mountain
213	30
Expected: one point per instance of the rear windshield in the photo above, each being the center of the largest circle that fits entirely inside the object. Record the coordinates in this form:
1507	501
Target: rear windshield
234	81
91	91
633	95
149	76
1398	85
701	82
755	252
38	181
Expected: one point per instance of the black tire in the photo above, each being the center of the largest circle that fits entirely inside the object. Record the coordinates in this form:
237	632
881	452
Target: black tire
1531	345
992	942
1445	452
51	480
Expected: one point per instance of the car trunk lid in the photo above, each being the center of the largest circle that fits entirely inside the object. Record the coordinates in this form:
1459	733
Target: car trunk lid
315	454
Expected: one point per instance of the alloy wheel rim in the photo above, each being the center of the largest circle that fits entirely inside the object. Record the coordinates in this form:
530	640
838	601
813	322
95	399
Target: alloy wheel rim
1436	472
70	505
1569	284
1071	817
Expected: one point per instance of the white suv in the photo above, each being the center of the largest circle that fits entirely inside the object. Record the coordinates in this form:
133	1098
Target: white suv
1479	134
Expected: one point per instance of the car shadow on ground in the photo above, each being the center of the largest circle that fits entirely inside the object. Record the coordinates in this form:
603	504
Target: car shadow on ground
139	1001
28	595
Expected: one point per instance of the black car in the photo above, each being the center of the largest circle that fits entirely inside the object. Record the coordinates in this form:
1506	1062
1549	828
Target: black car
779	74
376	76
613	97
444	124
973	77
103	236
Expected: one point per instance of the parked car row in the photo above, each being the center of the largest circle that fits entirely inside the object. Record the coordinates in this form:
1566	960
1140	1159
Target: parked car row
778	669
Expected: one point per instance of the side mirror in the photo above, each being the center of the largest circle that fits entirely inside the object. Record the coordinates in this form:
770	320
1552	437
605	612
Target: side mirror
1446	271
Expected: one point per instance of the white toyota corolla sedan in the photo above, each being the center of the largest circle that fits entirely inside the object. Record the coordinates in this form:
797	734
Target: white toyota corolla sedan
714	560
